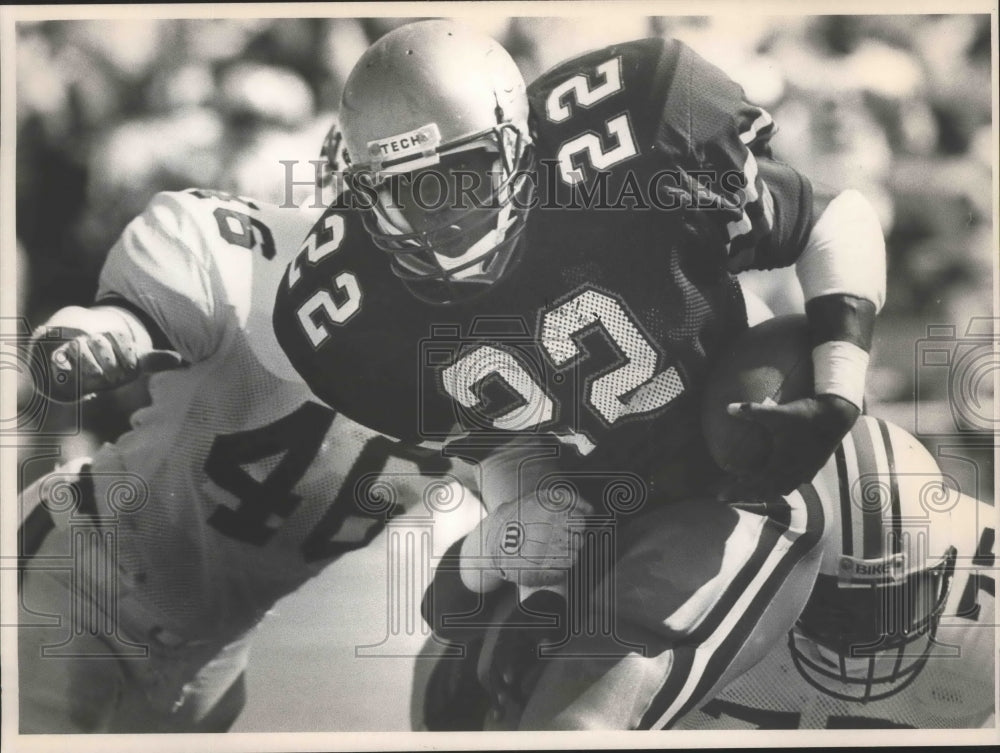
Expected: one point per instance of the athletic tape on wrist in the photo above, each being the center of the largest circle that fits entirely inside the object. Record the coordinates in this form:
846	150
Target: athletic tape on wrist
840	369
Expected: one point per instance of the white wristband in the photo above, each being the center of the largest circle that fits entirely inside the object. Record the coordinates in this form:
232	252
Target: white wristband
840	368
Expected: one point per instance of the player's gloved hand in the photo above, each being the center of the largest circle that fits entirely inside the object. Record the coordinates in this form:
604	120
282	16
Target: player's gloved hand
804	433
530	544
87	350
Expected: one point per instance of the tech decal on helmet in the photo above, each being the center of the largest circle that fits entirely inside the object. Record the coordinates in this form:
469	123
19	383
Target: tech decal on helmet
419	98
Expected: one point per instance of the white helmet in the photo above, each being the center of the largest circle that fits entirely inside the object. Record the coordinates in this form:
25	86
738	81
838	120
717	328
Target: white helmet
425	92
869	625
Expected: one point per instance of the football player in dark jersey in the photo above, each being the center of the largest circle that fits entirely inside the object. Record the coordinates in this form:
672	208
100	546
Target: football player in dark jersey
557	278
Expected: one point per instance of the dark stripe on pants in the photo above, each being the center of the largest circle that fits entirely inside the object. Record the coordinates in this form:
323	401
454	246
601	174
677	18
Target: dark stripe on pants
733	642
736	639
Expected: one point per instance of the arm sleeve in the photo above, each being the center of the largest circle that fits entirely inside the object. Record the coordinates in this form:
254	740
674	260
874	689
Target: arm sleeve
163	265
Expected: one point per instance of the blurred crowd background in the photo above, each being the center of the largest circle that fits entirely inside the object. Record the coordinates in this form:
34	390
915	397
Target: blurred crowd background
110	112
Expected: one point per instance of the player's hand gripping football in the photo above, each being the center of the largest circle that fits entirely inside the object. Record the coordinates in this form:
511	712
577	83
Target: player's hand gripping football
531	544
803	433
87	350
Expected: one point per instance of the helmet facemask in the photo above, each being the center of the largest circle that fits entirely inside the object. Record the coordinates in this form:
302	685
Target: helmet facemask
421	97
865	643
456	244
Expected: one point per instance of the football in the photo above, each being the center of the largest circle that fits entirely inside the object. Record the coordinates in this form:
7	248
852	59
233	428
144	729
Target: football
771	361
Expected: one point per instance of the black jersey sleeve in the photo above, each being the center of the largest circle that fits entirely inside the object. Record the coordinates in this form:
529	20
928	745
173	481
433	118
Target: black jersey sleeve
310	304
350	330
761	209
655	113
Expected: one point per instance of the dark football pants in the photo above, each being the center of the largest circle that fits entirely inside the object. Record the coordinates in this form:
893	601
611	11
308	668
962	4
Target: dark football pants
695	593
699	593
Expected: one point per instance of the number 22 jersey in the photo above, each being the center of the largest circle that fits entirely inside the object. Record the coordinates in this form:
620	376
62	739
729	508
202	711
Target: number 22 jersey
603	326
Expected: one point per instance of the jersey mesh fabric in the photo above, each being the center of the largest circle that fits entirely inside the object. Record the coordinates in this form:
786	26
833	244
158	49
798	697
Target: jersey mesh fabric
195	574
669	282
191	553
